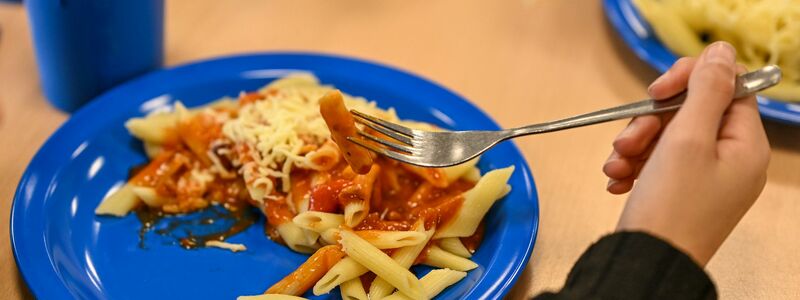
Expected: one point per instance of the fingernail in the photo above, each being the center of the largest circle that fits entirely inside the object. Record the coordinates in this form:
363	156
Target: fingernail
721	51
610	183
656	82
628	130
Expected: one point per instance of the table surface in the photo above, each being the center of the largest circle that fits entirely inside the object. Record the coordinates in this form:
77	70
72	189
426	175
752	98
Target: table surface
520	61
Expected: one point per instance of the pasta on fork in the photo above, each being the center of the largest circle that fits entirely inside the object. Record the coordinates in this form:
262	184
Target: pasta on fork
283	149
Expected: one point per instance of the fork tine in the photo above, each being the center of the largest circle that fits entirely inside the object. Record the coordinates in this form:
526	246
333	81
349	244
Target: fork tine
391	154
396	127
380	127
386	143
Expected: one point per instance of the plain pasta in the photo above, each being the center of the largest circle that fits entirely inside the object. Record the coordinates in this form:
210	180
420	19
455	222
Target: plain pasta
436	257
459	171
455	246
392	239
153	128
404	257
270	297
353	290
148	195
381	264
433	283
762	31
297	238
119	203
330	236
344	270
479	199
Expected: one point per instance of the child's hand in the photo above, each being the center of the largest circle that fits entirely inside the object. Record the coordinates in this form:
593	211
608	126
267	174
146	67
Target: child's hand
698	171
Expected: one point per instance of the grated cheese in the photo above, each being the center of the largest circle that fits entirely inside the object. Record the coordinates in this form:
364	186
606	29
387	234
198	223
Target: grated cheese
276	128
226	245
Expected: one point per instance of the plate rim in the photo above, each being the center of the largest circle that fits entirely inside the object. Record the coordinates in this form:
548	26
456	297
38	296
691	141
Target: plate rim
52	285
769	108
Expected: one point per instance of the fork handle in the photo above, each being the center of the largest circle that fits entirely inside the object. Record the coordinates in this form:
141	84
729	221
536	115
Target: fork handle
746	84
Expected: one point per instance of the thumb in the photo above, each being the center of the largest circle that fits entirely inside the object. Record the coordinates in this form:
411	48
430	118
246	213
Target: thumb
710	92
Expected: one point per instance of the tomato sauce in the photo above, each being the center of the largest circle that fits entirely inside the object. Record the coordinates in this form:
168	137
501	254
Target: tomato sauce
325	197
277	212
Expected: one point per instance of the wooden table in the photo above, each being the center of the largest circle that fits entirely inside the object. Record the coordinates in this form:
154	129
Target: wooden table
520	61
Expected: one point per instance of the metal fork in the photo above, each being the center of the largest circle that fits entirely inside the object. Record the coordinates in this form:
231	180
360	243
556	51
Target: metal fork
448	148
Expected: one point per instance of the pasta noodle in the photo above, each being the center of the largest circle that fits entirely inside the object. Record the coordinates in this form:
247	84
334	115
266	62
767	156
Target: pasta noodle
404	257
353	290
342	125
763	31
308	273
436	257
284	151
381	264
346	269
433	283
455	246
330	236
270	297
392	239
318	221
297	238
357	195
479	199
119	203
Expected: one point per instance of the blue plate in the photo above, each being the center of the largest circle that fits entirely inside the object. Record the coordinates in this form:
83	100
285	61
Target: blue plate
64	251
639	36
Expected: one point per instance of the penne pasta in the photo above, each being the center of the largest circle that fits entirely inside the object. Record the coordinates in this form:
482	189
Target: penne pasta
353	290
318	221
381	264
405	257
458	171
433	283
342	126
391	239
324	158
152	149
148	195
356	196
455	246
154	128
304	277
344	270
330	236
355	212
284	150
119	203
472	175
436	257
297	238
270	297
477	202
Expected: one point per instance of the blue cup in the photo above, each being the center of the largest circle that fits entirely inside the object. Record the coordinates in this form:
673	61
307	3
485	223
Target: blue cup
84	47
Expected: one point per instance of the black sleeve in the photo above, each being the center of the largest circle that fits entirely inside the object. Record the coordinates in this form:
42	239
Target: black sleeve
634	265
